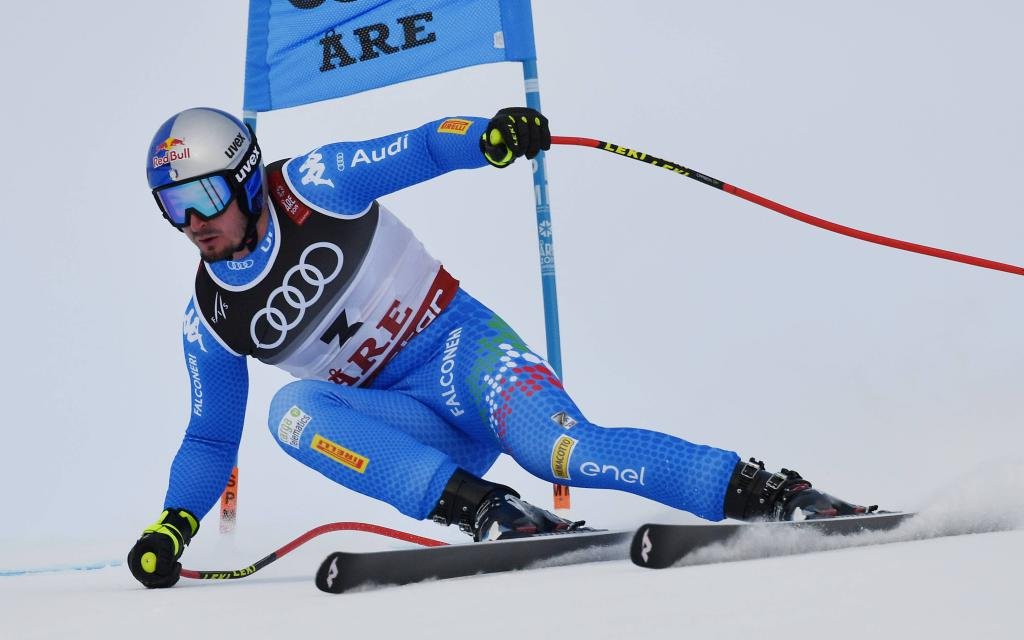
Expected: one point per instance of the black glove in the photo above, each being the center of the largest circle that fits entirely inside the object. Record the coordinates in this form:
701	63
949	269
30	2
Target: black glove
514	132
154	558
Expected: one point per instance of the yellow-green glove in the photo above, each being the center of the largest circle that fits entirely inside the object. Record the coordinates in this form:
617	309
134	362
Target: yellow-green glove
514	132
154	558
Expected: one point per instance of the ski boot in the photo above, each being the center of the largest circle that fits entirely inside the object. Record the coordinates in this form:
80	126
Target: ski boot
490	511
503	516
756	494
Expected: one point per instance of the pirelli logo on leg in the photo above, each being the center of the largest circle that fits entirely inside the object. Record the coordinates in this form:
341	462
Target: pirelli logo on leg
454	125
560	456
340	454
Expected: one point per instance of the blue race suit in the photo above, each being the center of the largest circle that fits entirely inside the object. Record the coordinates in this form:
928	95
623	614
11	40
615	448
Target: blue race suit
403	376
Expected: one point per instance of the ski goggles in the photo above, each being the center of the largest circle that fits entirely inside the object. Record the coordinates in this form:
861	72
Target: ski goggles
206	196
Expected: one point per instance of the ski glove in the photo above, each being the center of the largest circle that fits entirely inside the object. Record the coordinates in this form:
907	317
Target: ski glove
514	132
154	558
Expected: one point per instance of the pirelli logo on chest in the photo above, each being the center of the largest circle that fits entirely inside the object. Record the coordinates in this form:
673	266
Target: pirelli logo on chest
340	454
560	455
454	125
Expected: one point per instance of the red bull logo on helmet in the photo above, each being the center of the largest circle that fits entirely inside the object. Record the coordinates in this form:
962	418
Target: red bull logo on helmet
167	144
168	151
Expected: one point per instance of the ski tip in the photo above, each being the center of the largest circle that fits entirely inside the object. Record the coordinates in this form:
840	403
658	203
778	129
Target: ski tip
658	546
642	547
655	546
328	576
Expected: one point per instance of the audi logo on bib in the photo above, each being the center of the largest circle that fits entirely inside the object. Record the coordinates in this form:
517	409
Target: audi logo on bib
302	286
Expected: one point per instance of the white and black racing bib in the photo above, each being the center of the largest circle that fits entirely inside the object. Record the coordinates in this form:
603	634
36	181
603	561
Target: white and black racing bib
340	296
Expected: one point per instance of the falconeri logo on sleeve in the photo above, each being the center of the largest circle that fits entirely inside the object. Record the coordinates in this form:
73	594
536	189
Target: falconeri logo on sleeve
560	455
340	454
289	430
455	125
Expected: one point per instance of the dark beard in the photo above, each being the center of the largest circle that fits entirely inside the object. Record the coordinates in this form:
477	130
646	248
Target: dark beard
226	254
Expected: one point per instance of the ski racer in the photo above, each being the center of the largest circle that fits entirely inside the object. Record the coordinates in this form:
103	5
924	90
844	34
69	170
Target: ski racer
407	387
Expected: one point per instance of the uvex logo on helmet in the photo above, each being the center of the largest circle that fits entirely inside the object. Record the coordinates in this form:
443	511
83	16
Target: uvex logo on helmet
247	167
234	146
167	153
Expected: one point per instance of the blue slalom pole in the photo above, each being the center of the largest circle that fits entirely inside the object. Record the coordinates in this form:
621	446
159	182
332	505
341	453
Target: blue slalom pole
545	238
546	247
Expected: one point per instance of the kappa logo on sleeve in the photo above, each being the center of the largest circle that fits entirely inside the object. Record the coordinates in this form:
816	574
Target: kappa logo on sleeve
560	455
340	454
457	126
190	328
313	169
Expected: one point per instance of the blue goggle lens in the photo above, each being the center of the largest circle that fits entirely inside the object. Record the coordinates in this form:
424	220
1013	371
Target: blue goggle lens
206	197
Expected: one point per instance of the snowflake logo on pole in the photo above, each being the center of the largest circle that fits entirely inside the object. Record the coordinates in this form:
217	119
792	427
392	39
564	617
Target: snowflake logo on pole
544	229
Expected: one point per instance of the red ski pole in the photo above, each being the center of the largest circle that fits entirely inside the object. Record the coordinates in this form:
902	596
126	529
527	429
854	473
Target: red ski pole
787	211
231	574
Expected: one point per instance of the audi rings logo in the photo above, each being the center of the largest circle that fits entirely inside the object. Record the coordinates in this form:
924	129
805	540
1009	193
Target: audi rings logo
303	285
240	265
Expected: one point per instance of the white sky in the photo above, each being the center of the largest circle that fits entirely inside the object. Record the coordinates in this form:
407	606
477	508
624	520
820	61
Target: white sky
882	376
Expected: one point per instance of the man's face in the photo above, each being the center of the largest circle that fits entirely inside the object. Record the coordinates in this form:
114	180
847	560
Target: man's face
218	238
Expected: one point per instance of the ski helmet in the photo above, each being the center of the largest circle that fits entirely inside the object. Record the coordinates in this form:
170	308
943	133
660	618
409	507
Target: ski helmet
199	161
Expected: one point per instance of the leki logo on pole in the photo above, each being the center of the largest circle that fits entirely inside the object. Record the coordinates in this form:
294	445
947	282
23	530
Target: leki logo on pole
821	223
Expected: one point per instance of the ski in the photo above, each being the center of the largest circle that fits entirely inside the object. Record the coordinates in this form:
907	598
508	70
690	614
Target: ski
657	546
343	571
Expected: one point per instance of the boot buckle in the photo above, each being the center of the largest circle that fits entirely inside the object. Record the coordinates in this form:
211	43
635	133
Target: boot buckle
775	482
749	470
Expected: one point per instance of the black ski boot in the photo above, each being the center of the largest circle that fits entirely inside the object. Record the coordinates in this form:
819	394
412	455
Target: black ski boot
503	516
756	494
490	511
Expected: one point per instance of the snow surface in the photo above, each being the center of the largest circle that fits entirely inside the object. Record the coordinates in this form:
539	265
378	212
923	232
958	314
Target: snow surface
880	375
935	588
